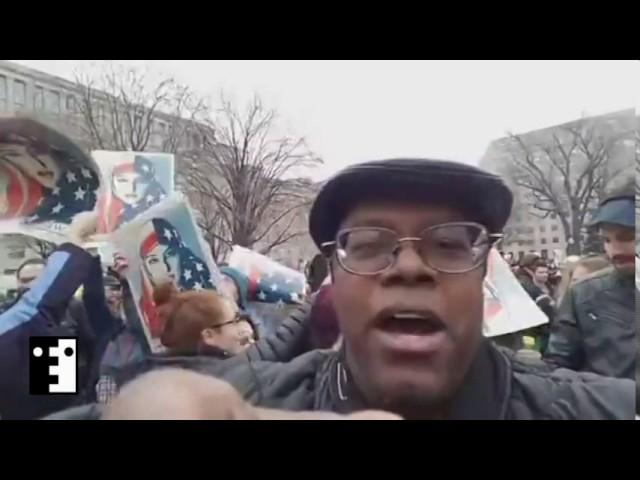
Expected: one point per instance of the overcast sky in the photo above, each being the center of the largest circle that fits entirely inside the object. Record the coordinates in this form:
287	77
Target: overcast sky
351	111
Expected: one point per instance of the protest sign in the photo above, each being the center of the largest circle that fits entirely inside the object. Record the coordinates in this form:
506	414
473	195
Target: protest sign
507	306
163	245
269	281
45	180
273	289
132	182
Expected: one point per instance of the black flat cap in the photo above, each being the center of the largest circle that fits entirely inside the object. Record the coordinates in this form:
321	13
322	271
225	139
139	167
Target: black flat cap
481	196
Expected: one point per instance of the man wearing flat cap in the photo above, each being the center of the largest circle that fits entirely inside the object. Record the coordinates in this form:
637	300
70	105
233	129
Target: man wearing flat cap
595	330
407	242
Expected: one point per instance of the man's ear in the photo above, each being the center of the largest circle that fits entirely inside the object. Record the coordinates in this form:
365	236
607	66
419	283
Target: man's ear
207	334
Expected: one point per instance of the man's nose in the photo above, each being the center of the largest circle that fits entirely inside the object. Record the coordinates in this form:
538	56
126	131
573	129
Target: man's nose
410	265
616	247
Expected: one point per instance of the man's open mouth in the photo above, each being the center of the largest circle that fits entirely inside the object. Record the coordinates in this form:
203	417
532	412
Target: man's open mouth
411	322
410	330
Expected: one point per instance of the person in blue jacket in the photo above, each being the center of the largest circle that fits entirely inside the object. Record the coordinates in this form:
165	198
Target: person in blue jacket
40	312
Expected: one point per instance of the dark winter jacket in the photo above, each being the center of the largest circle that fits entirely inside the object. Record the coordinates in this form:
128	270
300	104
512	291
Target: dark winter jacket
324	328
595	329
39	312
498	387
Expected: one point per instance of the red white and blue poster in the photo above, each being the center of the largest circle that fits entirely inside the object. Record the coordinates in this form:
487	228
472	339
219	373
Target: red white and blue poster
45	180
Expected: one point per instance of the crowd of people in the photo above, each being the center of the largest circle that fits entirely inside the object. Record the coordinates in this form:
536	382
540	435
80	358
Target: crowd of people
391	326
547	283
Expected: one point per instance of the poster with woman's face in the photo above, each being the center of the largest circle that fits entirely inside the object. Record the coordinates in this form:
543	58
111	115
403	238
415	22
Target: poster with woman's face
45	180
132	182
164	245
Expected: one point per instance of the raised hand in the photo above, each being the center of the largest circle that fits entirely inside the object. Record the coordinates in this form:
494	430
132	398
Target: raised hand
175	394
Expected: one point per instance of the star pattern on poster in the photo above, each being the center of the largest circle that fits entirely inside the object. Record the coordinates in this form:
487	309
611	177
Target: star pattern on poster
193	274
73	193
277	285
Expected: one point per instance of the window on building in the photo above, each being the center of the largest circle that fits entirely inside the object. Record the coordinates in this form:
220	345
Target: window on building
38	99
3	93
544	253
71	104
543	241
542	228
10	271
53	102
555	240
554	216
19	94
554	228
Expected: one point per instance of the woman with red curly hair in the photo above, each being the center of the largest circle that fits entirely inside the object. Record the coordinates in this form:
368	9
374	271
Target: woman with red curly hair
203	323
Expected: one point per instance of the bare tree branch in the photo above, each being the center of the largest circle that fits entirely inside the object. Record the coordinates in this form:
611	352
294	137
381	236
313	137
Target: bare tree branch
123	108
246	174
566	173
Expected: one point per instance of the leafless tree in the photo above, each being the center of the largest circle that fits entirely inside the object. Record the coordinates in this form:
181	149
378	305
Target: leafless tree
566	174
211	224
245	180
122	108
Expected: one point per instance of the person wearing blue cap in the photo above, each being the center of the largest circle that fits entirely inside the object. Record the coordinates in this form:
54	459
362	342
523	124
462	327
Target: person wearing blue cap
595	329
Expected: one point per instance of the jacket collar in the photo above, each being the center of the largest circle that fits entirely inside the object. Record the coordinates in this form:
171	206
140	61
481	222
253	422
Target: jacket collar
484	394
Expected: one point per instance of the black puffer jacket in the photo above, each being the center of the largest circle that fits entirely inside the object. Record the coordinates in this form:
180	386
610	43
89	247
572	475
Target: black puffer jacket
595	329
498	387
